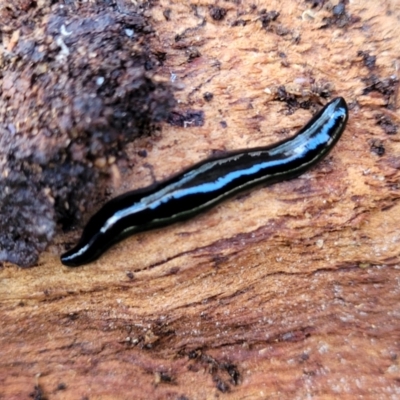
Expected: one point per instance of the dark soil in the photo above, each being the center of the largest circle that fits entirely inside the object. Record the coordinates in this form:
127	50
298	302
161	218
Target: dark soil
76	84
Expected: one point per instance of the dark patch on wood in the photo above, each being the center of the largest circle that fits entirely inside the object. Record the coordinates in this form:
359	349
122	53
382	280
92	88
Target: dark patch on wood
385	86
73	316
233	373
38	393
193	354
167	14
368	60
283	95
268	22
164	377
304	357
216	369
322	89
221	385
130	275
296	336
142	153
217	13
174	271
386	123
207	96
181	36
298	99
239	22
340	17
266	17
156	336
316	3
192	53
61	386
339	10
186	119
377	147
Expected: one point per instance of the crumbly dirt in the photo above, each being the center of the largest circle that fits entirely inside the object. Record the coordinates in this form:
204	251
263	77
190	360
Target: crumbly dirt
77	83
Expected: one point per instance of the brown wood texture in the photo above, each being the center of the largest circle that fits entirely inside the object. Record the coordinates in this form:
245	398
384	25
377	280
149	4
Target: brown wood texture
289	291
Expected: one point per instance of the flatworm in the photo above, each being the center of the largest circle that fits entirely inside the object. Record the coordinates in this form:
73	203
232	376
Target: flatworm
207	183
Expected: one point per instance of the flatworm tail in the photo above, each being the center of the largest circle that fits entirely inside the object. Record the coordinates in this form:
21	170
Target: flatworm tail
207	183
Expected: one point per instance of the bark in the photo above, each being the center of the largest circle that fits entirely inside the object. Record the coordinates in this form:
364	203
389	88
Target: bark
287	291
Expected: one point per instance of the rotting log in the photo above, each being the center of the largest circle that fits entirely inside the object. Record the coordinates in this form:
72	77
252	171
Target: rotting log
287	291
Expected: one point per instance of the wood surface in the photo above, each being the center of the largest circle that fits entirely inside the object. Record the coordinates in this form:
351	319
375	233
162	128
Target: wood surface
288	291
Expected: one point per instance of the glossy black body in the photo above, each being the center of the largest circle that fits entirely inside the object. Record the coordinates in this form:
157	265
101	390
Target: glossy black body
207	183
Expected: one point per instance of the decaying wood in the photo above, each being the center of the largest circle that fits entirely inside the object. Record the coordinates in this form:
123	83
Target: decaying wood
284	292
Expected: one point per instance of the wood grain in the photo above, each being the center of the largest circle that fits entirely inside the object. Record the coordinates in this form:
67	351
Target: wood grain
289	291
